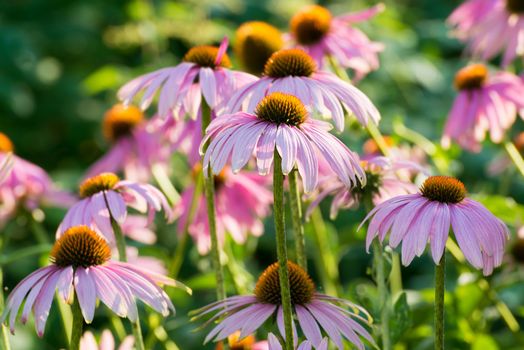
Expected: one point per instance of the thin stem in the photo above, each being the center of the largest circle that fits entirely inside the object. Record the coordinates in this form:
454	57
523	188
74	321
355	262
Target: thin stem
326	259
165	184
137	333
515	156
4	332
77	325
383	294
440	275
395	276
296	214
209	190
278	212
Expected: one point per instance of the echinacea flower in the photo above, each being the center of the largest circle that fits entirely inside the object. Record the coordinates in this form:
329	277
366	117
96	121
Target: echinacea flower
490	27
25	185
255	42
415	219
274	344
485	103
247	343
280	123
315	312
107	342
81	268
204	73
242	201
294	72
314	30
106	197
137	146
383	182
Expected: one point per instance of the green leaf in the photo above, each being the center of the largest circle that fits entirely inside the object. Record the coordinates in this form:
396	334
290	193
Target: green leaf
401	318
484	342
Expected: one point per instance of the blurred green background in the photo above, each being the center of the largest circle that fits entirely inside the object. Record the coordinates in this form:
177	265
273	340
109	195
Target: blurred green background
62	61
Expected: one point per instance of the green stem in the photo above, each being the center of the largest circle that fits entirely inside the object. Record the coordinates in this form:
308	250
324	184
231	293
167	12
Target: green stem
4	332
383	294
165	184
296	214
326	260
515	156
178	257
137	333
395	276
278	212
209	190
440	275
77	325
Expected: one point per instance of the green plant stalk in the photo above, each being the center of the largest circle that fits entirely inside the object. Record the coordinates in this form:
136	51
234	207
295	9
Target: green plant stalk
165	184
278	213
297	220
383	294
178	257
326	260
4	332
209	191
77	325
440	275
395	276
122	255
515	156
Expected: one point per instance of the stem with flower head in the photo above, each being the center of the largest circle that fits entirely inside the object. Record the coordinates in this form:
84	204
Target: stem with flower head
122	255
296	213
440	275
77	326
278	213
209	191
383	295
515	156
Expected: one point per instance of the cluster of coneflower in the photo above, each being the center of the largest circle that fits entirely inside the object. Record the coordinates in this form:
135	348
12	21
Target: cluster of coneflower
275	120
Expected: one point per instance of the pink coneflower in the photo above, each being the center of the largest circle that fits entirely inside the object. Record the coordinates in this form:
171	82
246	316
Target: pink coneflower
314	30
25	185
383	182
184	136
484	104
280	122
107	342
491	27
242	201
81	268
274	344
247	343
415	219
137	145
105	196
315	312
294	72
204	73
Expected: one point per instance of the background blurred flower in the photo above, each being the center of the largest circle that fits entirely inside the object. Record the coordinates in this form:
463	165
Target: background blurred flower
107	342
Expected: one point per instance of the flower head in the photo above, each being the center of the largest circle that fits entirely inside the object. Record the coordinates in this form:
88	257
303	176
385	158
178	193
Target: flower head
274	344
314	30
203	74
315	312
484	104
280	123
24	184
386	178
105	197
490	27
107	342
137	145
255	42
293	71
242	201
81	268
247	343
415	219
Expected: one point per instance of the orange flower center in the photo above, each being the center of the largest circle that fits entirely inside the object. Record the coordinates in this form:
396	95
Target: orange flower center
515	6
471	77
120	121
267	289
311	24
444	189
255	43
238	344
5	143
519	142
80	246
205	56
289	62
371	147
98	183
281	108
